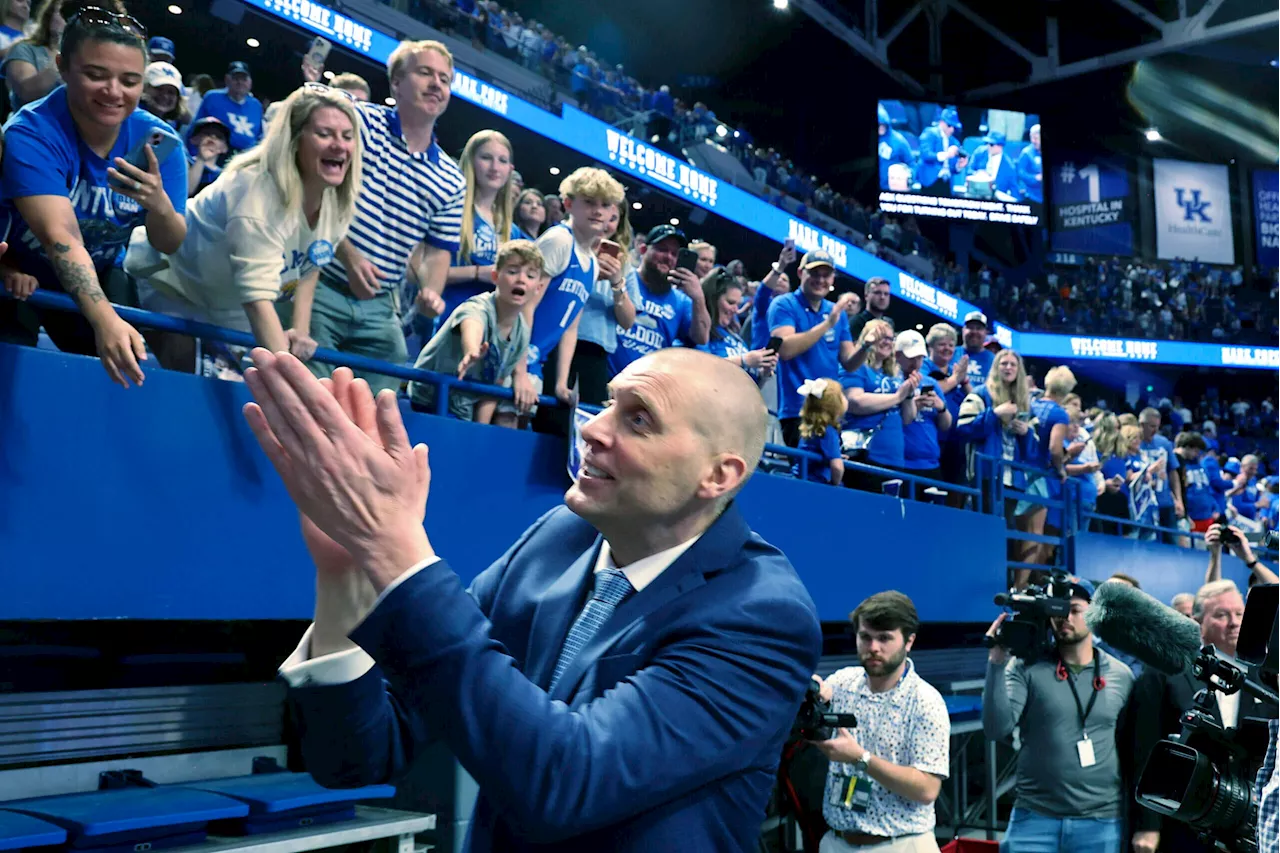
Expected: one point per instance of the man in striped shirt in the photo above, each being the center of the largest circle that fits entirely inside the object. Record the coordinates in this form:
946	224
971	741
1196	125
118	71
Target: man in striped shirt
411	198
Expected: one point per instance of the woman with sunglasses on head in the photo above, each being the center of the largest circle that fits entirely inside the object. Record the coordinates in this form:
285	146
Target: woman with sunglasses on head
723	292
71	199
258	236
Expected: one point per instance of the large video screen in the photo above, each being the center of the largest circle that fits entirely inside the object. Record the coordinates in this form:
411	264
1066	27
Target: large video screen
960	162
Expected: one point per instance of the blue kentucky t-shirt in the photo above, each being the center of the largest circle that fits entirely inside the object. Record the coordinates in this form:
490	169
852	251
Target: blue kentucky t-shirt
886	447
921	449
827	446
244	119
44	155
661	320
484	253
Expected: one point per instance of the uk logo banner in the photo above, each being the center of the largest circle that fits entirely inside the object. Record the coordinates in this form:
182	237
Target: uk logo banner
1193	212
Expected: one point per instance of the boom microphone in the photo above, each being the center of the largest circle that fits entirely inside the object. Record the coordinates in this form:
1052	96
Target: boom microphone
1138	625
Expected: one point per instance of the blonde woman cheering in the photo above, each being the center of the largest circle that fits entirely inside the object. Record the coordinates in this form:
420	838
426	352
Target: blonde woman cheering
258	236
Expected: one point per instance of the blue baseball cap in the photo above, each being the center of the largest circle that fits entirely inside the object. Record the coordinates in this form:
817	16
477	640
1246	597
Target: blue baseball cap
816	258
951	117
882	115
238	67
995	137
1081	588
1232	466
658	233
161	46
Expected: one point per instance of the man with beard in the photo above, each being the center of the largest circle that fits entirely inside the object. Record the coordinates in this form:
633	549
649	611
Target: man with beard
1066	706
672	306
883	779
1159	700
975	350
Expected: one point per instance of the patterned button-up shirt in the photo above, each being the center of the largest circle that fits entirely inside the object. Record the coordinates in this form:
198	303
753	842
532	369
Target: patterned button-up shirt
908	726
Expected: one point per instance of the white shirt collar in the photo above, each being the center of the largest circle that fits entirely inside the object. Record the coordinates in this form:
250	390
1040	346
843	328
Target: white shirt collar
641	573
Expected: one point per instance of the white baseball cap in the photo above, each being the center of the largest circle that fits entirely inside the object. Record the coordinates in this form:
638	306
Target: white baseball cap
910	343
163	74
975	317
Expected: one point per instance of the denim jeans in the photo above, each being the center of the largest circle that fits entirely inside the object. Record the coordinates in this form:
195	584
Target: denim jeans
1031	832
368	327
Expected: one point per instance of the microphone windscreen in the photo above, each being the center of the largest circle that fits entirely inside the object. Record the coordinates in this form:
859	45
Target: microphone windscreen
1138	625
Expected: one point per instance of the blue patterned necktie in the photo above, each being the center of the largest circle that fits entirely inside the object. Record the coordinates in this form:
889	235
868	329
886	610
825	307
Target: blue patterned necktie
611	587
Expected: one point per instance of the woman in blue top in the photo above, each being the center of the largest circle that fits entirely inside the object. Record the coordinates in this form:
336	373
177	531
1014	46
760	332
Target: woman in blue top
1135	477
882	401
1051	423
820	413
486	163
723	293
71	200
530	214
995	421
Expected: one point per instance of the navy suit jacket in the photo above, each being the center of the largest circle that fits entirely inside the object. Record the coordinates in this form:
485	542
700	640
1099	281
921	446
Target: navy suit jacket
663	734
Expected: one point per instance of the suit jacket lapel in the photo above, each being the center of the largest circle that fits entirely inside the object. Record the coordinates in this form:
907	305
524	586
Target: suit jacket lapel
557	608
718	548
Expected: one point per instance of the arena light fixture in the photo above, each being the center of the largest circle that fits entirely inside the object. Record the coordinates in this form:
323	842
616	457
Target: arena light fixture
1153	135
675	221
781	5
635	205
722	131
555	170
175	9
389	101
328	75
252	42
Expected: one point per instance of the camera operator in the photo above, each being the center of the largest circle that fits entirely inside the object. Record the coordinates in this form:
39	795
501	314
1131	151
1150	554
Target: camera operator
1066	706
1159	701
885	775
1219	535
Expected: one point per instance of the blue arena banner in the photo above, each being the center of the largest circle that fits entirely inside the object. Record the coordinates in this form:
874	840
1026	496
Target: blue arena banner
1093	208
1040	345
1266	218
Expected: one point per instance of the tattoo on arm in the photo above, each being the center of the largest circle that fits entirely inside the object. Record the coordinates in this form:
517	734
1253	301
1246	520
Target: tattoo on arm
79	281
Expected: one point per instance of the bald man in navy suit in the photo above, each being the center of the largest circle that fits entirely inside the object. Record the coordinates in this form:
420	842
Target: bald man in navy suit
622	679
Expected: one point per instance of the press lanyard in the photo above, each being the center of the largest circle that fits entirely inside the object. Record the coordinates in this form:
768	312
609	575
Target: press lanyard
1082	711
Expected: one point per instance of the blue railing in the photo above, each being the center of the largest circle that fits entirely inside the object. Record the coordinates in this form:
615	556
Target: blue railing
445	383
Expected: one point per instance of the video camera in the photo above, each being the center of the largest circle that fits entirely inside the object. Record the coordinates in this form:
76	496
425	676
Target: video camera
1202	776
815	721
1028	634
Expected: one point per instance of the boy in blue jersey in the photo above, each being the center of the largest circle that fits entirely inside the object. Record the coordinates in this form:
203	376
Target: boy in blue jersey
672	306
568	252
815	337
1200	489
236	107
70	200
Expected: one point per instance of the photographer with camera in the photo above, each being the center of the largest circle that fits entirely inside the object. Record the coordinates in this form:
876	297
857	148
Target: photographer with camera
1219	535
1160	700
1066	706
884	776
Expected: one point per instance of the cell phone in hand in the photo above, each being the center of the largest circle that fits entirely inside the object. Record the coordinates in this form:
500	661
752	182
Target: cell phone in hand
162	145
687	259
775	344
610	248
318	53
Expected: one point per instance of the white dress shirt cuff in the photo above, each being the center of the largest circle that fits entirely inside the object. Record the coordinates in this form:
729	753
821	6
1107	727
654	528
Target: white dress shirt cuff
301	670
